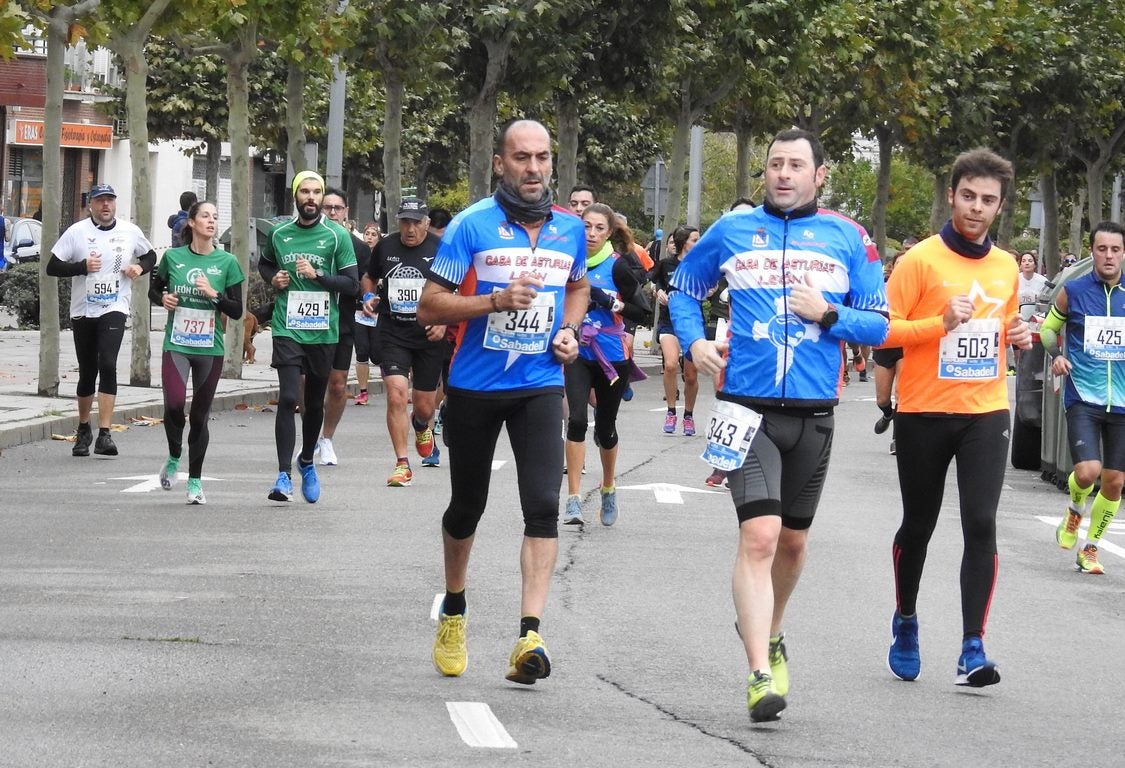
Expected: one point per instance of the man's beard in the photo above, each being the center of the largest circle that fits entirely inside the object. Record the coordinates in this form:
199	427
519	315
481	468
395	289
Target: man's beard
305	216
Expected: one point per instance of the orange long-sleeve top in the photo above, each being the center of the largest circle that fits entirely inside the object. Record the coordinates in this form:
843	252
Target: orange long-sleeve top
932	379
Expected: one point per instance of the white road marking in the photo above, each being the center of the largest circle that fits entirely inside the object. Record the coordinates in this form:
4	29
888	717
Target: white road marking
477	726
152	482
436	607
1103	545
497	463
665	493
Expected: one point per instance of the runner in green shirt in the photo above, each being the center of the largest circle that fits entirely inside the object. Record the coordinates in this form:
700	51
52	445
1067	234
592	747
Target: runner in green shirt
308	261
197	284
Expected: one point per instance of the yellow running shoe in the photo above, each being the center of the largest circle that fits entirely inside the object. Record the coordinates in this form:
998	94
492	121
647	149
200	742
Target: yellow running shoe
779	666
529	661
762	700
1067	532
1088	561
401	477
424	442
451	656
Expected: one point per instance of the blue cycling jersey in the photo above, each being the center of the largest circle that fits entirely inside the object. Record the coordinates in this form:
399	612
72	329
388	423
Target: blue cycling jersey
1095	347
482	251
776	357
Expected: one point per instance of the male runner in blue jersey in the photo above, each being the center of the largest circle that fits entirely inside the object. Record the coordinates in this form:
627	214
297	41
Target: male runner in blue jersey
513	274
801	280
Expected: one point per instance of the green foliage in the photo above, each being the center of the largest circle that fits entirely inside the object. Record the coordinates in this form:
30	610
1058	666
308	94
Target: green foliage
851	191
19	292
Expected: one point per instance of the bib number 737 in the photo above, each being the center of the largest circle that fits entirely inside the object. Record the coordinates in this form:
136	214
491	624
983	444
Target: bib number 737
730	432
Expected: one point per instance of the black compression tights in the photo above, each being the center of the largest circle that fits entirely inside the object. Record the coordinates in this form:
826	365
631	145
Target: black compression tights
925	447
205	371
312	414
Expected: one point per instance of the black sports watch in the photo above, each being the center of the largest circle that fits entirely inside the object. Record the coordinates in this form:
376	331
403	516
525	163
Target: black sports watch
829	318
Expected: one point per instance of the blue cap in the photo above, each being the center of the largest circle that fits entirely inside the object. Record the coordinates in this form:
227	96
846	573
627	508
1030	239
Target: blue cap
659	233
100	190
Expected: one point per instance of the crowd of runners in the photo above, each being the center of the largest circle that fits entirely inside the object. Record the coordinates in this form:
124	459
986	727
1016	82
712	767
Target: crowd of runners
520	315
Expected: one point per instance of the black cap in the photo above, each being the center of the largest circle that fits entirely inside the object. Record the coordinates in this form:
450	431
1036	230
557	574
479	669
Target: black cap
413	208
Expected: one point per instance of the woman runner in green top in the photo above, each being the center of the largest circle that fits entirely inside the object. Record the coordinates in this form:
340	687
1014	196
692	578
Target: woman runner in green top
197	283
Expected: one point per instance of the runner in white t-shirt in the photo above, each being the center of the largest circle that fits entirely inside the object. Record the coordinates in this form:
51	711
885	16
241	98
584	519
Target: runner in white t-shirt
102	256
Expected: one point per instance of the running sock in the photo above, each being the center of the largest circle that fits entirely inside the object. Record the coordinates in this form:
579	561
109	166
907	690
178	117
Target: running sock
419	426
687	414
529	624
1101	515
672	411
609	488
103	431
363	391
888	410
402	460
1077	493
302	463
454	603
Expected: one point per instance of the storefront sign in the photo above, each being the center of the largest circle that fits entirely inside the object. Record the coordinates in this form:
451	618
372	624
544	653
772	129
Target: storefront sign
30	132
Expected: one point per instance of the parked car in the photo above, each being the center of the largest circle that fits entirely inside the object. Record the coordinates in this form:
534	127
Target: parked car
21	241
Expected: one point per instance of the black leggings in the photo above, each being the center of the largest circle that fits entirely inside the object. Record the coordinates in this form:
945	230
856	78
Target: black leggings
925	446
472	426
97	340
205	371
312	414
581	376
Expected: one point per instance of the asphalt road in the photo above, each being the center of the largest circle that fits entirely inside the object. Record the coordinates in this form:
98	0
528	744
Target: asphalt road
138	631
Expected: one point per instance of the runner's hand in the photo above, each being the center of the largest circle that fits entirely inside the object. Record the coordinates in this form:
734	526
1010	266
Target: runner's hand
519	294
93	264
959	310
806	300
280	280
708	356
435	332
133	271
1019	333
1060	366
565	346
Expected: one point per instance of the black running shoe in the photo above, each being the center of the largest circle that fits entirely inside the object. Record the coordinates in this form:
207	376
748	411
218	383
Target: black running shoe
104	446
83	437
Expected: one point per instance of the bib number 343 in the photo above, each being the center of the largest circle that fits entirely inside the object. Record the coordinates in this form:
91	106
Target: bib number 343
729	435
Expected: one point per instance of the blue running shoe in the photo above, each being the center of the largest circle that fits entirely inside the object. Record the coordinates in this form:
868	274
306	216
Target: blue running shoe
973	668
609	507
283	489
434	459
904	659
310	485
628	394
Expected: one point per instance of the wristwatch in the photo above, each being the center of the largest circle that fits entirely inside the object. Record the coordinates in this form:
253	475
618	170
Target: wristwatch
829	318
572	328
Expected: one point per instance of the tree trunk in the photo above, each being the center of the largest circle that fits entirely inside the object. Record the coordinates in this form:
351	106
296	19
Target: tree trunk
392	145
1095	188
482	117
1050	234
295	116
131	50
676	165
1077	208
52	204
214	162
885	136
1006	227
568	127
743	144
238	97
939	211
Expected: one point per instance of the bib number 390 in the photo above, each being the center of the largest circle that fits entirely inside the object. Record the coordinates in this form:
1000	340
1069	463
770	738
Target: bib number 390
730	432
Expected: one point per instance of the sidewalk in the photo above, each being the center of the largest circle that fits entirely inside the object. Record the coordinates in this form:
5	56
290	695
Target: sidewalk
26	417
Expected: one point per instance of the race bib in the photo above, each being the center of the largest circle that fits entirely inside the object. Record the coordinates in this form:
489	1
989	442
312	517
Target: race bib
1104	338
729	434
307	311
971	351
526	331
403	294
102	289
193	327
363	319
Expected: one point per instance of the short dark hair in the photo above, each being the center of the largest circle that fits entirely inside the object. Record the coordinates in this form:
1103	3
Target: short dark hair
796	134
741	202
1112	227
584	188
440	217
337	192
683	232
187	200
982	163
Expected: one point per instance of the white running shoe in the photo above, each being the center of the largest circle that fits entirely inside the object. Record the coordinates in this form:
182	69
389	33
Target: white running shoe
327	452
